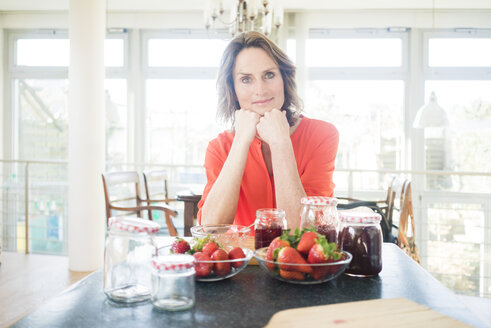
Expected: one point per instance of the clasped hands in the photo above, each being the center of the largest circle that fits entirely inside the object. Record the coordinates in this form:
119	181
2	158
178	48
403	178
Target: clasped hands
271	127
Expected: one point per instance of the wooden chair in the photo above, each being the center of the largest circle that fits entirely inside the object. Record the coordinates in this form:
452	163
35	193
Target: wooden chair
157	189
122	196
385	207
406	239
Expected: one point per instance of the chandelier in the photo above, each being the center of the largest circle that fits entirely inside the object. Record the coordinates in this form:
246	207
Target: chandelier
265	16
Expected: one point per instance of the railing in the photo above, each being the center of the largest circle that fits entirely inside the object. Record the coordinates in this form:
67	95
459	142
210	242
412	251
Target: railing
452	212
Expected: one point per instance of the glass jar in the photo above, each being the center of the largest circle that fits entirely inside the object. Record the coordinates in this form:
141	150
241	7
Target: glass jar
320	213
173	282
361	236
128	259
269	224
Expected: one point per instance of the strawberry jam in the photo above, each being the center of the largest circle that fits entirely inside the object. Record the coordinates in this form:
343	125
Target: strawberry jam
361	236
265	235
269	224
329	231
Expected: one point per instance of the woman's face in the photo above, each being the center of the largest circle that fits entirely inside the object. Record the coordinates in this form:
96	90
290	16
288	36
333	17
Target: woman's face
258	82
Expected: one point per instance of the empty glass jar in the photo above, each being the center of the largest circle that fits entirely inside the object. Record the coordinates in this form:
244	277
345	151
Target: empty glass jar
320	213
361	236
173	282
128	259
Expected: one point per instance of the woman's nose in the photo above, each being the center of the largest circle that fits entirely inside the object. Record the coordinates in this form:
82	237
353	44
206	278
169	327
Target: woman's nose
259	87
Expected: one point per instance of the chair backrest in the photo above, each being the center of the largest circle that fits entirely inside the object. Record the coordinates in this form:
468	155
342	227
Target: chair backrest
156	186
394	190
406	239
121	189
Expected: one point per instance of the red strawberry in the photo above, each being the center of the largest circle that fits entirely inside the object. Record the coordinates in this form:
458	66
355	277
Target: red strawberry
316	254
220	268
276	243
319	272
323	252
290	255
306	242
292	275
236	253
202	269
180	246
210	247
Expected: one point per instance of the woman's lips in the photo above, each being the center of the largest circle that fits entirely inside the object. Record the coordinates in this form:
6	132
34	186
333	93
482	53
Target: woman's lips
262	102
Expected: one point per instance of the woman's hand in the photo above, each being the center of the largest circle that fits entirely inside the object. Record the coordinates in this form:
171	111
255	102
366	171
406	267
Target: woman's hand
245	125
273	127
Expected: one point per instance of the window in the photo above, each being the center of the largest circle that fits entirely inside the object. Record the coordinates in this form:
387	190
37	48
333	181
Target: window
460	52
357	81
354	52
181	97
39	112
43	52
458	69
184	52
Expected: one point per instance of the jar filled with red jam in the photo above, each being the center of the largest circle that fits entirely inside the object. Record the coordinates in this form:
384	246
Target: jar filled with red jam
321	214
361	235
269	224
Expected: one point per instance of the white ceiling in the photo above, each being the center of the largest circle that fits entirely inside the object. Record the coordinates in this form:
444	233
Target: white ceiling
197	5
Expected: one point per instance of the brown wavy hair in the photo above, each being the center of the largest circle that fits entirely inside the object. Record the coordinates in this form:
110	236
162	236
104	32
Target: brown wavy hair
227	99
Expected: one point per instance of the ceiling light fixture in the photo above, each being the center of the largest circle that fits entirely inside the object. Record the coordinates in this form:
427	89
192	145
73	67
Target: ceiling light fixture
265	16
431	115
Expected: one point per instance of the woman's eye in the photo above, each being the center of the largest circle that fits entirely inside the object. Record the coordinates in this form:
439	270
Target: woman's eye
269	75
245	79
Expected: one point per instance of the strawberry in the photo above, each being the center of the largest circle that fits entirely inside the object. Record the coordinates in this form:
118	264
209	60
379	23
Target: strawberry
220	268
210	247
323	252
306	242
236	253
290	255
320	272
180	246
202	269
276	243
292	275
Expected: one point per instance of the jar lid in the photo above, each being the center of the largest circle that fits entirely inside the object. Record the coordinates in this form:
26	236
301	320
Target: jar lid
270	212
319	200
173	262
132	224
359	217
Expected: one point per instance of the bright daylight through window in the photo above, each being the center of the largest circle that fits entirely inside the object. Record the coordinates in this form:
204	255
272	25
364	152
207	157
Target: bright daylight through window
160	112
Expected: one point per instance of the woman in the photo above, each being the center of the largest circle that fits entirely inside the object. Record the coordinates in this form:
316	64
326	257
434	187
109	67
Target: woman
274	156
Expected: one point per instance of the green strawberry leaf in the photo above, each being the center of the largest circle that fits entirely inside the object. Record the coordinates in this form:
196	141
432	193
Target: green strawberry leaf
275	253
330	250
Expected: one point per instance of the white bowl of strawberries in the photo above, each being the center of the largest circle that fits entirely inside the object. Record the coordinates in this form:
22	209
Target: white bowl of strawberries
304	257
213	261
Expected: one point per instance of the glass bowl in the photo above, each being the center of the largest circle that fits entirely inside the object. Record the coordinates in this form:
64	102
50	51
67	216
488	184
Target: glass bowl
212	276
322	271
224	234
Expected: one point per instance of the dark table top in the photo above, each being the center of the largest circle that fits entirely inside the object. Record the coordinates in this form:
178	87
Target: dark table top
249	299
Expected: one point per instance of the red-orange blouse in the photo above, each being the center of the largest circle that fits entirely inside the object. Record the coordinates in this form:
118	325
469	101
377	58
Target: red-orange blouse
315	144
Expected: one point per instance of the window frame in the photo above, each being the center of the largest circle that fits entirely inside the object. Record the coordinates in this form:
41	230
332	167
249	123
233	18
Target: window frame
174	72
454	73
14	71
361	73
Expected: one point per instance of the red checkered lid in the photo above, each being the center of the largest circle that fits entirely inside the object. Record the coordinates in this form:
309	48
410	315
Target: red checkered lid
359	217
132	224
173	262
319	200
